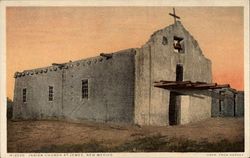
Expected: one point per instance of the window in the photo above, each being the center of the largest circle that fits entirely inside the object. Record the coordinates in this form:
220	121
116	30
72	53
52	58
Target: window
164	40
85	89
178	44
51	93
24	95
179	72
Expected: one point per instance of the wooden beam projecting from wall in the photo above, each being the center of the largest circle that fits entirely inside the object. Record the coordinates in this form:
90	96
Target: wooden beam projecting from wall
185	85
106	55
59	65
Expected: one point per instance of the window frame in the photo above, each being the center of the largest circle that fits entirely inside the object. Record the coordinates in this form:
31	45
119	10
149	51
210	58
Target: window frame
24	95
85	89
51	93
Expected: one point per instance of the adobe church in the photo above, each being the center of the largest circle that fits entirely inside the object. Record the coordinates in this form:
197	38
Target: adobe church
165	82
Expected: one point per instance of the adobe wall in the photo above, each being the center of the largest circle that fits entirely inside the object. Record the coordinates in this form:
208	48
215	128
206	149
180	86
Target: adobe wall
228	104
240	104
232	106
111	90
195	106
200	107
157	61
215	112
37	82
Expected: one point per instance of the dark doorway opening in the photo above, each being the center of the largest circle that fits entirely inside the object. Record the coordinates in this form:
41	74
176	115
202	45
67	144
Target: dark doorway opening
174	108
221	103
179	72
234	98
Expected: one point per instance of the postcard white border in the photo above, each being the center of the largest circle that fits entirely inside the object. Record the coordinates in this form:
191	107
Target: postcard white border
184	3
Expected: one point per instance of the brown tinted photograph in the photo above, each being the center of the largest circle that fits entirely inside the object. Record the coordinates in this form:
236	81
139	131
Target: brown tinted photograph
125	79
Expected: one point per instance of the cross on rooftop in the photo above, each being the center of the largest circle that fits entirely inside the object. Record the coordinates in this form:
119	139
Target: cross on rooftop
174	15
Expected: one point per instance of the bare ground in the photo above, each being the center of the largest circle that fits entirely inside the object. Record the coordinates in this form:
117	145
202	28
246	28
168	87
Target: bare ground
30	136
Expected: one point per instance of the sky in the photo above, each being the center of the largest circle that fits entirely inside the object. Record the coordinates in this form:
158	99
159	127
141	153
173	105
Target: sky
39	36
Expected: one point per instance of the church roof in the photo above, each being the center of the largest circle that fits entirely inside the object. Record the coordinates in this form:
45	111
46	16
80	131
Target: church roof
87	61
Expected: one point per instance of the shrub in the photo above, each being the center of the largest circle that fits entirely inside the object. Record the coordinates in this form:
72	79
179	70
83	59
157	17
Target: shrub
9	108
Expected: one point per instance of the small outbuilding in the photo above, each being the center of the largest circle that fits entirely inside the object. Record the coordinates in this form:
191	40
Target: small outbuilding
230	103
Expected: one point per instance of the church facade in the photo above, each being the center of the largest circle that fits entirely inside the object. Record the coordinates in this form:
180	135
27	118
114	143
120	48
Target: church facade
120	86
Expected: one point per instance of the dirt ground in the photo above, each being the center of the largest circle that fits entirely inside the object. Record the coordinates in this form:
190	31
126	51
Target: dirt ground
28	136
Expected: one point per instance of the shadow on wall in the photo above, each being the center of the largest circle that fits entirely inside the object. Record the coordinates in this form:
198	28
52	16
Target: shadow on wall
199	94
